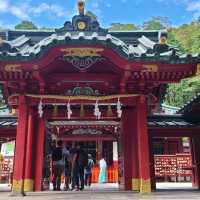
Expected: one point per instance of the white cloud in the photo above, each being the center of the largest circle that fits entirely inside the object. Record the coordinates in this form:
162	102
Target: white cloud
193	6
23	10
19	12
190	5
3	5
49	8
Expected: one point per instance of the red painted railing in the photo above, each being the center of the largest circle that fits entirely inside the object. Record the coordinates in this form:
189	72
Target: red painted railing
111	174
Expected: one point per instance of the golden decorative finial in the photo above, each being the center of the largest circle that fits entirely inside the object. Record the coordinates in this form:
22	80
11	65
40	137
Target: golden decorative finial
81	6
163	40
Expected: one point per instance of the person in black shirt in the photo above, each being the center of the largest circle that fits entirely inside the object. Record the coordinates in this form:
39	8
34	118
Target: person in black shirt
74	169
82	161
67	159
58	164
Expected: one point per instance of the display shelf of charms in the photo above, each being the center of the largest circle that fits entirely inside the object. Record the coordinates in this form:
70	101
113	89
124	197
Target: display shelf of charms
184	164
165	165
178	165
7	169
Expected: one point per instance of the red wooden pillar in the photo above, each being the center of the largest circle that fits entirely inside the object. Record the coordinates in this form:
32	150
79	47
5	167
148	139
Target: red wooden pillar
99	149
194	180
152	163
20	149
196	148
129	150
40	135
29	174
143	145
134	151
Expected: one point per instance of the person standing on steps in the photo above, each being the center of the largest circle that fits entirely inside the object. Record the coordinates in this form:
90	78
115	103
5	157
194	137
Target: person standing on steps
68	168
58	165
74	168
102	173
88	171
82	161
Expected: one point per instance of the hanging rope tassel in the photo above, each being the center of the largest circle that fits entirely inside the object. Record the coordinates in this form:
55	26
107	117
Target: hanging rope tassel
40	109
109	111
82	111
69	111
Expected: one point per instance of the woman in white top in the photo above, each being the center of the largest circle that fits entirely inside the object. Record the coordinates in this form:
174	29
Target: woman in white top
102	173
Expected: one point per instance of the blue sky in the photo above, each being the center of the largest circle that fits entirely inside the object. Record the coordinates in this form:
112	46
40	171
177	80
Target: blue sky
53	13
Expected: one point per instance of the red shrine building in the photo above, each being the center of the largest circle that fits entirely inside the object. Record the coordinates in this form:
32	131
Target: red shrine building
82	83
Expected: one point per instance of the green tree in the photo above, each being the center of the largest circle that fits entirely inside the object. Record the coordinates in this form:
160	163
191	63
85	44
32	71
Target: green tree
26	25
44	28
123	27
186	37
180	93
156	23
172	40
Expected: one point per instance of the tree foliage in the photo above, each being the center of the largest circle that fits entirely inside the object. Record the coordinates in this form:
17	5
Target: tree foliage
26	25
156	23
186	37
44	28
123	27
180	93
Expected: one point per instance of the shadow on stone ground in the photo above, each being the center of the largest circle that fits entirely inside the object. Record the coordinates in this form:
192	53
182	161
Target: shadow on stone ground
107	195
172	191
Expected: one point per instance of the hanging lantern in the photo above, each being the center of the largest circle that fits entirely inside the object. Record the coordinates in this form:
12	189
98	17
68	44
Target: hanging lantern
55	110
97	112
69	111
109	111
40	109
119	109
82	111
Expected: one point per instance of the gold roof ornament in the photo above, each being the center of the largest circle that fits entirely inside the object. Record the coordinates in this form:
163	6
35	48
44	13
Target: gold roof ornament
163	40
81	6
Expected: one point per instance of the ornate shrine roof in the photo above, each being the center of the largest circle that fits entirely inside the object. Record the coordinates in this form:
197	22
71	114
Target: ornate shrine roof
8	121
191	109
153	121
164	121
145	49
139	62
84	30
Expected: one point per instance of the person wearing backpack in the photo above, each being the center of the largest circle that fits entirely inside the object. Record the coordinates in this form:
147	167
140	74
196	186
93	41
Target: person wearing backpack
88	171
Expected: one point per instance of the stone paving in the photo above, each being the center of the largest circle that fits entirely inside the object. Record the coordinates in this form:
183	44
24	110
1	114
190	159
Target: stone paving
171	192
